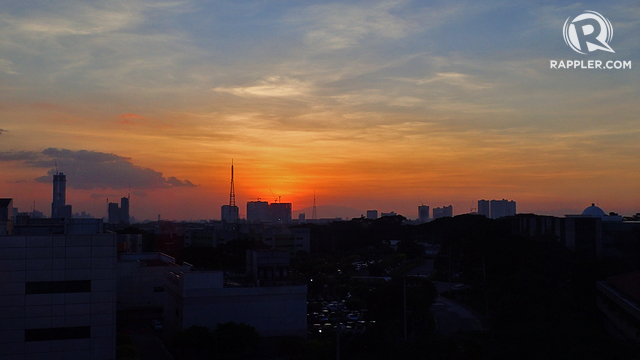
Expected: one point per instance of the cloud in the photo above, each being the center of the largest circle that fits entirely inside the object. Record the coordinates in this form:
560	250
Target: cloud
94	170
26	156
274	86
6	67
3	131
339	26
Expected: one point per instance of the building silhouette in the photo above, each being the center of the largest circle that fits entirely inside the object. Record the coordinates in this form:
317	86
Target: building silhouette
276	213
119	214
502	208
58	287
59	208
495	209
445	211
423	213
280	213
372	214
484	208
257	211
229	213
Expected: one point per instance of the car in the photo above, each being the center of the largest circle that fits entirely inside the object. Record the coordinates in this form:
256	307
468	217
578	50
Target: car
352	316
157	325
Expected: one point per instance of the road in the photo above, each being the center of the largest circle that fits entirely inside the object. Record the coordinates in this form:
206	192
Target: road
451	317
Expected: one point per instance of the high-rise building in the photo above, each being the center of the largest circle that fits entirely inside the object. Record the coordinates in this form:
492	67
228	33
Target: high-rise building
124	210
484	208
257	211
59	208
114	213
229	213
423	213
119	214
280	213
372	214
502	208
262	211
445	211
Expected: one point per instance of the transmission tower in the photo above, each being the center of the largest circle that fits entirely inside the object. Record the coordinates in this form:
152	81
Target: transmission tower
232	192
314	213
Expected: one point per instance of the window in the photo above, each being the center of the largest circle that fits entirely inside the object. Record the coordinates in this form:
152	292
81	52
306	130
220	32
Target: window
55	287
65	333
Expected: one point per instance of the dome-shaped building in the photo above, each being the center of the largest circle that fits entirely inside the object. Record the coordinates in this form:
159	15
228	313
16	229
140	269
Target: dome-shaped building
594	211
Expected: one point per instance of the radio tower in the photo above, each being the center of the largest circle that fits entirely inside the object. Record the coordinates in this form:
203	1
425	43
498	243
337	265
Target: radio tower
232	192
314	213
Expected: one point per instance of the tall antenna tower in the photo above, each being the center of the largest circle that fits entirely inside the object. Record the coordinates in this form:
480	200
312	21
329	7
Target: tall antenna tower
314	213
232	192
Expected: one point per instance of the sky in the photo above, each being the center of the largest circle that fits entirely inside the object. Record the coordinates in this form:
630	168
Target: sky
371	105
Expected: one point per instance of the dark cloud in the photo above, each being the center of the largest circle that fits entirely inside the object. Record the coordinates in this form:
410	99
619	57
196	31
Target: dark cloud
3	131
173	181
94	170
26	156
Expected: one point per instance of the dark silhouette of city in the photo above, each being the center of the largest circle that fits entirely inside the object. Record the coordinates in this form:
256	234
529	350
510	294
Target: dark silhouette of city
491	284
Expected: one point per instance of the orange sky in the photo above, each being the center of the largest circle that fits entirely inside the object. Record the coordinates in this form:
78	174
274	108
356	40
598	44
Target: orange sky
372	106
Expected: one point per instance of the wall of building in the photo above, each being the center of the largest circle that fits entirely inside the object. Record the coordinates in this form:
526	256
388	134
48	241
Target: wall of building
57	297
272	311
140	283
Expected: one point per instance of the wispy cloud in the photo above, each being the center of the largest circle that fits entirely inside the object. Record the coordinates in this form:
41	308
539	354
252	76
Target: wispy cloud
337	26
451	78
7	66
276	86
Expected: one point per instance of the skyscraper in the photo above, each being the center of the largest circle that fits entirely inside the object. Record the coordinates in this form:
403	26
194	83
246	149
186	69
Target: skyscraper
114	213
484	208
501	208
124	210
229	213
423	213
257	211
59	208
119	215
280	213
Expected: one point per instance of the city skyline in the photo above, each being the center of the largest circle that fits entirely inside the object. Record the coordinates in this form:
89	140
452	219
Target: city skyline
372	105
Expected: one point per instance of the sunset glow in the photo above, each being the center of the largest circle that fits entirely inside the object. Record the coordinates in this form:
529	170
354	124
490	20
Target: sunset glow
375	105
